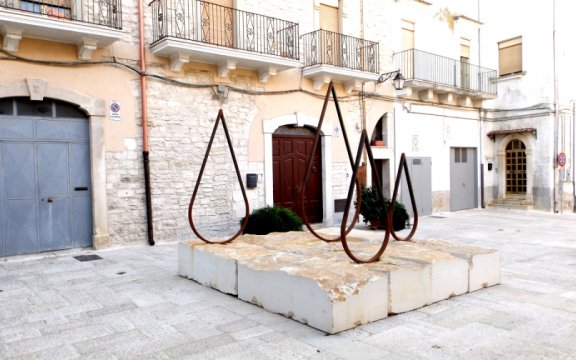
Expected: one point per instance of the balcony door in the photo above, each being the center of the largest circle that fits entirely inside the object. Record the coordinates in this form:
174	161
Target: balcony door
330	40
217	22
464	63
408	49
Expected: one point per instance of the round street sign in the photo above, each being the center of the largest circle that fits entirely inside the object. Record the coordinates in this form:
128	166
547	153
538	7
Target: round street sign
561	159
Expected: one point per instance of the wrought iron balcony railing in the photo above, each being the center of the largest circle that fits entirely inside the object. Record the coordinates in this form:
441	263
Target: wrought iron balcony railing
100	12
223	26
425	66
330	48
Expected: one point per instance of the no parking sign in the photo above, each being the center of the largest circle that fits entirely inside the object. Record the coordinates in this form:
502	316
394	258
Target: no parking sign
561	159
115	110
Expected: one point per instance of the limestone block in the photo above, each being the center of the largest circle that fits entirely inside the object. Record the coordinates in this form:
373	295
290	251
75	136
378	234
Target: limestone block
216	265
185	249
211	269
410	285
324	299
448	273
484	270
483	264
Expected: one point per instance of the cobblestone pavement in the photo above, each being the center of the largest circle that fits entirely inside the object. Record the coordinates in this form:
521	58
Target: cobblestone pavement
132	304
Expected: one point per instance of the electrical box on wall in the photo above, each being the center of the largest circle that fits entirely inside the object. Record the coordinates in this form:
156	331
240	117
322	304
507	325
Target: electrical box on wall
251	181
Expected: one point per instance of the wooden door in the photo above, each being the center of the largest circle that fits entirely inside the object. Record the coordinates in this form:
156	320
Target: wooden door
290	156
516	167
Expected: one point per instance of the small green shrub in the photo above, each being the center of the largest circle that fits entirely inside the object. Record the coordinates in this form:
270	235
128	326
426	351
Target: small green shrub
272	219
372	209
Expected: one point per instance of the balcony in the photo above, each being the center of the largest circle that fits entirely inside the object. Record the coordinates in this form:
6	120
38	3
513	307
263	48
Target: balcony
87	23
227	37
333	56
438	78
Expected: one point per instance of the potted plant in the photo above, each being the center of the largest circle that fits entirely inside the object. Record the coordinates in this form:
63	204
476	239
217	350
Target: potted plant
377	141
372	211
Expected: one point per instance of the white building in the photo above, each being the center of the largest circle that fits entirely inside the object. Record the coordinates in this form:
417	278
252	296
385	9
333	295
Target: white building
531	122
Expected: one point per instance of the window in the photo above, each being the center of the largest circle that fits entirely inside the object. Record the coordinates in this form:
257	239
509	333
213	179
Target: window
465	63
329	18
510	56
407	35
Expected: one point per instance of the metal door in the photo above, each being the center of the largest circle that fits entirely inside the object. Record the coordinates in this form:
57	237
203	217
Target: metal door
463	181
289	157
421	175
45	197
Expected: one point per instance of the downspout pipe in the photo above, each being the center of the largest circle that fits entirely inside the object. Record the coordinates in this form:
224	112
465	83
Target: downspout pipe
145	152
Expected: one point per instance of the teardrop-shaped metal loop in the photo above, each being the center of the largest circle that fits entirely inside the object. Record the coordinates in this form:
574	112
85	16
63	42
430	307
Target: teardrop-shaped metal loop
404	165
332	91
364	144
219	118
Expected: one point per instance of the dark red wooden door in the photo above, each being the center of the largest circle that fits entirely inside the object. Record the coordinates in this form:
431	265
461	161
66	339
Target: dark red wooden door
290	156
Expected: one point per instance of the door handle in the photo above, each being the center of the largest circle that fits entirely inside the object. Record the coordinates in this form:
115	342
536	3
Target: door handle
50	200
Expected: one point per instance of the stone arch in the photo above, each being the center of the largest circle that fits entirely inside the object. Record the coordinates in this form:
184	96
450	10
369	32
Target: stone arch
529	142
95	109
300	119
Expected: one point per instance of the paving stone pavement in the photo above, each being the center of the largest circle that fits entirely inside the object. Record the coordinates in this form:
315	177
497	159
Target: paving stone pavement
133	305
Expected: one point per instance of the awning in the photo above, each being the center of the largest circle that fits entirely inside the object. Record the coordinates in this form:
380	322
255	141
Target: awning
492	134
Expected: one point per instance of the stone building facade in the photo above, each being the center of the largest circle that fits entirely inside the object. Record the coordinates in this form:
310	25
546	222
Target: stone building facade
534	110
267	65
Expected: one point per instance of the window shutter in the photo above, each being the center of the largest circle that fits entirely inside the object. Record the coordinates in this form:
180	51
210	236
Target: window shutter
510	56
407	35
329	18
228	3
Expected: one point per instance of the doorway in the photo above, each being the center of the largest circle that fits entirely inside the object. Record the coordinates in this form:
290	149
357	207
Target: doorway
45	182
516	167
291	148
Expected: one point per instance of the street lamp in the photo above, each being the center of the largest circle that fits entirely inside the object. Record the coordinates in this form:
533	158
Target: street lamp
398	79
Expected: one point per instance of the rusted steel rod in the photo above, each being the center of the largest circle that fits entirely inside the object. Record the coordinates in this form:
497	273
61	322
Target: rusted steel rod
219	118
332	91
364	144
403	165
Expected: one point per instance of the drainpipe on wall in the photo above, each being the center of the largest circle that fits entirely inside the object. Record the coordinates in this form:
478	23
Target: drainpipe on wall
555	155
573	154
145	153
482	203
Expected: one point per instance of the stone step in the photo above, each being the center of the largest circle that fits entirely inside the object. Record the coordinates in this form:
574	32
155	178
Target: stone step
314	282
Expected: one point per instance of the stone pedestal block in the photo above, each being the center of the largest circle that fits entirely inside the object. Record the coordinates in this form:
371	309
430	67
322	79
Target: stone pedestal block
314	282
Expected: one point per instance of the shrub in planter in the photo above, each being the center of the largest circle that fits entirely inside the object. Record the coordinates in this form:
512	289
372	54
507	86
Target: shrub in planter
272	219
371	209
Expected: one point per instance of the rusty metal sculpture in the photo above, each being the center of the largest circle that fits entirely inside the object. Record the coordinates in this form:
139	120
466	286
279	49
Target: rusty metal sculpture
354	183
219	118
389	212
332	91
364	145
403	165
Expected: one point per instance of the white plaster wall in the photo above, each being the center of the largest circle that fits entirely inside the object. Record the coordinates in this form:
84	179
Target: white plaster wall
438	129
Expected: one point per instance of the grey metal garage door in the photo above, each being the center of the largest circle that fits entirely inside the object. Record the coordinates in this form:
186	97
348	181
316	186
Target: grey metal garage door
463	181
45	188
421	175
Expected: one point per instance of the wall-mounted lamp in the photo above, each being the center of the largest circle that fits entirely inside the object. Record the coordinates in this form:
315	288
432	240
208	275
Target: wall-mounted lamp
398	79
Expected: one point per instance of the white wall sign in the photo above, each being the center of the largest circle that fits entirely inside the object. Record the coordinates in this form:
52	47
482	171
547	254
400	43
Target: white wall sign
415	145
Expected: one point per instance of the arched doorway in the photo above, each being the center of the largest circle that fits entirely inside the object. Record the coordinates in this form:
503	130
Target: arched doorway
45	181
516	179
94	112
291	149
